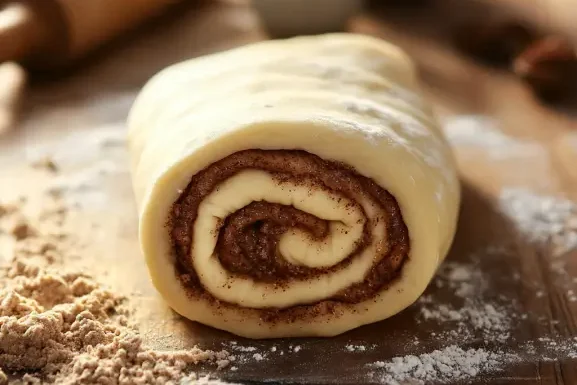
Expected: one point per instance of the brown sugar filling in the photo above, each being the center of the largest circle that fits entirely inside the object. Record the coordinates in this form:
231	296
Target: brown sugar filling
248	238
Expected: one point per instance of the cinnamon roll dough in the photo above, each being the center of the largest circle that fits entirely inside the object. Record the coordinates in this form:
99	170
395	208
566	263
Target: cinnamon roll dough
295	187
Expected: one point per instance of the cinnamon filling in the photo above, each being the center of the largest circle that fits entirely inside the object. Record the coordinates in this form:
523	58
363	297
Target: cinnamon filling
248	239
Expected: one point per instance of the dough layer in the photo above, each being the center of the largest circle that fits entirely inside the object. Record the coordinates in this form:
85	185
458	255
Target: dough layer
296	187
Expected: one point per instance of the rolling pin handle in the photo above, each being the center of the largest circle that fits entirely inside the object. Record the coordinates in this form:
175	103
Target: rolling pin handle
19	32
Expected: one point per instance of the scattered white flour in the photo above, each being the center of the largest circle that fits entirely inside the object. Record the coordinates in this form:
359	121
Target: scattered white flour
450	364
483	132
474	313
242	354
193	380
244	348
542	220
464	280
245	354
550	349
356	348
475	130
494	324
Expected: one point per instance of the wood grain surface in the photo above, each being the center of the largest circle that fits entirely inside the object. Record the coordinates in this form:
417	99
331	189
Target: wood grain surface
70	119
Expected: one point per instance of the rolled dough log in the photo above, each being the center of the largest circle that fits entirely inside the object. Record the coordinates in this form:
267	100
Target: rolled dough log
295	187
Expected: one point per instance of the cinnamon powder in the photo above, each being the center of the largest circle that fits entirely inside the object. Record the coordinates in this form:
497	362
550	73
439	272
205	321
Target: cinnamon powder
65	328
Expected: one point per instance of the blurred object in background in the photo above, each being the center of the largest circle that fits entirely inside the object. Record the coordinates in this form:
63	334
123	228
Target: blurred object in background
535	40
47	33
12	79
549	66
554	16
550	16
496	42
284	18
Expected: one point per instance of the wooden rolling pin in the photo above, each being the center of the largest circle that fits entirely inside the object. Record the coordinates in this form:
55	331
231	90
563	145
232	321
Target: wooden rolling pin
48	33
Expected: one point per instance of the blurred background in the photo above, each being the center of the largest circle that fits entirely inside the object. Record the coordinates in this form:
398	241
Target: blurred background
532	40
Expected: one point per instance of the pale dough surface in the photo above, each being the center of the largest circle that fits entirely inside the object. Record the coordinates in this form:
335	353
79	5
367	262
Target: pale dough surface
343	97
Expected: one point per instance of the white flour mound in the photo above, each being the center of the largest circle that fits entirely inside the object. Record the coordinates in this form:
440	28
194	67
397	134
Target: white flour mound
451	364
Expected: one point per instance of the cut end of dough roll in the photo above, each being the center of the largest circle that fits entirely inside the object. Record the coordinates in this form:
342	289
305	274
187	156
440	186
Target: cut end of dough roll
296	187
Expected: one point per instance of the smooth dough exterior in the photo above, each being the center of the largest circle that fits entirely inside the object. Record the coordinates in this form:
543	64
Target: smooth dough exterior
345	99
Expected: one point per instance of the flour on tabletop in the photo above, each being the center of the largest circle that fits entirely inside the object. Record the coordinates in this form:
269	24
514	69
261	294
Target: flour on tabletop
205	380
450	364
77	147
258	357
483	132
356	348
81	160
250	353
242	354
542	220
474	130
551	349
474	313
244	348
453	363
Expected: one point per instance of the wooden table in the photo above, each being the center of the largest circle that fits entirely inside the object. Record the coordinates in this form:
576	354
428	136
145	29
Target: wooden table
79	121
